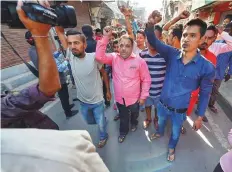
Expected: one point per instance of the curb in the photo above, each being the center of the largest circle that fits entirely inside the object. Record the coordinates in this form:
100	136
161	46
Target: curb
225	105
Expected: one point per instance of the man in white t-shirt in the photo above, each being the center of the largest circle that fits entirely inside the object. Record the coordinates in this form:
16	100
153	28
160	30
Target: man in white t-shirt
38	150
86	72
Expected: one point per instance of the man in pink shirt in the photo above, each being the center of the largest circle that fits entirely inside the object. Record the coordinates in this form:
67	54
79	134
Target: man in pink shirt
131	79
225	163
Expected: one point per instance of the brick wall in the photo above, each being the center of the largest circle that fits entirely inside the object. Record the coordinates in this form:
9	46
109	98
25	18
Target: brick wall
82	13
16	37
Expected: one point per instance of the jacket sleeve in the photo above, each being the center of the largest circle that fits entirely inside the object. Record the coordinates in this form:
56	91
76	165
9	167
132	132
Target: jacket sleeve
145	80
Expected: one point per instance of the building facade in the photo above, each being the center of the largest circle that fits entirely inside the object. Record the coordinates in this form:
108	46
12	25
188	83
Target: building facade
17	40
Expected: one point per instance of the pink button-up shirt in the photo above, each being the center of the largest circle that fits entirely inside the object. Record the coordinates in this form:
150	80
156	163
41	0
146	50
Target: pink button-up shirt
131	77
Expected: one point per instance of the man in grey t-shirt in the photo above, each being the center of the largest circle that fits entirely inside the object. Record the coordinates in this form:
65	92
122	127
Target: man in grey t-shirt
86	72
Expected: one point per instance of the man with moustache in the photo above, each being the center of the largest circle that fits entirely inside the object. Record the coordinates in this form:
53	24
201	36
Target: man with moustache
186	70
217	49
131	80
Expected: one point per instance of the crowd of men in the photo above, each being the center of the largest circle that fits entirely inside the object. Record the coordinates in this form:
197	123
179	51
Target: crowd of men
172	68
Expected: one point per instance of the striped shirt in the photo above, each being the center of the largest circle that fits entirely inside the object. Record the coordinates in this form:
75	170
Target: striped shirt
157	69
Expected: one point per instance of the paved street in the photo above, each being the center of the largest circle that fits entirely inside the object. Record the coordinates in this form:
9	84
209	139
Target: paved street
196	151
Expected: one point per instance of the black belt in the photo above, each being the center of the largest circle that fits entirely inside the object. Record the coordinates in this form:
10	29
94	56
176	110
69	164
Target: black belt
173	109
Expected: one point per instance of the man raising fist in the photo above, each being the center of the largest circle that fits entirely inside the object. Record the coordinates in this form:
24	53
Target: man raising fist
186	71
131	79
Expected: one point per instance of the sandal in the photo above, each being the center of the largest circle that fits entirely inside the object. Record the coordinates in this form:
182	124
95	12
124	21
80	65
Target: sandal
171	154
102	143
146	123
117	117
121	138
154	136
156	123
183	130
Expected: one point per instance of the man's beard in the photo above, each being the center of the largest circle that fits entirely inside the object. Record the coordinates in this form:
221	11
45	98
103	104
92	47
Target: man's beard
78	55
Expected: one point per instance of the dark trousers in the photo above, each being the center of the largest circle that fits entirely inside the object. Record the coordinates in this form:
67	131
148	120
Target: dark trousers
64	98
107	103
218	168
215	92
71	75
127	114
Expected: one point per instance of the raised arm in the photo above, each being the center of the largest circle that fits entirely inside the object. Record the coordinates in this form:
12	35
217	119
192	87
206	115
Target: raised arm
165	51
184	15
62	37
224	35
101	55
128	14
49	82
219	48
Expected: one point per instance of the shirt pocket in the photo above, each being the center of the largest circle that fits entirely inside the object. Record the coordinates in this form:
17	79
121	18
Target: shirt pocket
189	82
131	72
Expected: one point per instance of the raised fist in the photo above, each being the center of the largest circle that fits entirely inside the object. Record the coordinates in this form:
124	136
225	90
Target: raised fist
184	15
127	12
155	17
107	31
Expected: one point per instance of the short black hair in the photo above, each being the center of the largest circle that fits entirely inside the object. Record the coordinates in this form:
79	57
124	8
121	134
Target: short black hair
229	26
180	26
28	35
157	27
123	31
200	23
127	37
115	41
75	32
141	31
176	31
87	30
98	30
213	28
115	34
229	16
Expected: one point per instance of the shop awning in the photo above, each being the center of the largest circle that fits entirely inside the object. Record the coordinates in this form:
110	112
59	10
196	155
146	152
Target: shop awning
201	4
114	7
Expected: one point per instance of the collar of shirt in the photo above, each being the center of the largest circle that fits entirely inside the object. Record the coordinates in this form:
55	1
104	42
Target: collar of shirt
146	52
195	58
131	56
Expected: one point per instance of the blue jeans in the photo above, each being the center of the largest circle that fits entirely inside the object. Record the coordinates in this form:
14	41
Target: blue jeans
99	116
177	120
151	101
